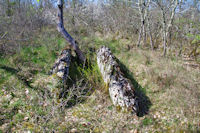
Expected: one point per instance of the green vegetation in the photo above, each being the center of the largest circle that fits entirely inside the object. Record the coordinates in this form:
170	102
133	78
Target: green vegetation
168	88
137	32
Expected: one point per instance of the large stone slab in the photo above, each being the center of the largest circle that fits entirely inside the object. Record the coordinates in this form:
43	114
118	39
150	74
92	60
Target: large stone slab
121	90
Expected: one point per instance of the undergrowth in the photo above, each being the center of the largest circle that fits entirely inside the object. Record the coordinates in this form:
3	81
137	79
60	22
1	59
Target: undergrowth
169	92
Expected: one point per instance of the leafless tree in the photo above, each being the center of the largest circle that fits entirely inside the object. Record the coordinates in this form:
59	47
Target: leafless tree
168	10
66	35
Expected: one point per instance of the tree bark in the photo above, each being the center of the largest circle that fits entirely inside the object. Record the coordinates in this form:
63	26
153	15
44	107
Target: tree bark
148	26
8	11
150	34
144	11
66	35
166	25
121	90
140	36
142	22
170	24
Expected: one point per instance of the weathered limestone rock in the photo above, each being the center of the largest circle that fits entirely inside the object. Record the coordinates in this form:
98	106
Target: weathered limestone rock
61	65
121	90
60	71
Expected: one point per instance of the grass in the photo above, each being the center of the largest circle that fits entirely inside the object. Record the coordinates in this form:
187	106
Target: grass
29	100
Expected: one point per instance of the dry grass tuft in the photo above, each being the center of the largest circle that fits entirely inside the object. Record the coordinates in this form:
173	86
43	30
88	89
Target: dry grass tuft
29	102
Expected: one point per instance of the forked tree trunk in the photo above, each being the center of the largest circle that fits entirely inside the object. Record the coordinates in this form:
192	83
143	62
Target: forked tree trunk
121	90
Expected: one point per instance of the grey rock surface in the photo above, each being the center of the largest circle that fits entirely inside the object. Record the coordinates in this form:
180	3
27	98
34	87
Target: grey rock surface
121	91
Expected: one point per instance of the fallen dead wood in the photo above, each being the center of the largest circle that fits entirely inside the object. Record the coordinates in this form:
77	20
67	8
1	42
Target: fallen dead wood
121	90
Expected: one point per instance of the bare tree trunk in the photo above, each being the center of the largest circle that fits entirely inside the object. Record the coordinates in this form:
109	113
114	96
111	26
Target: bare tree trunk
167	25
144	32
74	10
8	11
164	32
164	43
121	90
66	35
140	36
142	22
170	24
143	9
150	34
149	27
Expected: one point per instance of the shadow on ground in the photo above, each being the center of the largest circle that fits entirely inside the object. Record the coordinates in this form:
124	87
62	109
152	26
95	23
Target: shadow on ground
77	87
143	100
15	72
75	91
75	76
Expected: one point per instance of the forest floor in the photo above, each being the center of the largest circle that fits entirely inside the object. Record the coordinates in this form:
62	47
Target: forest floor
168	89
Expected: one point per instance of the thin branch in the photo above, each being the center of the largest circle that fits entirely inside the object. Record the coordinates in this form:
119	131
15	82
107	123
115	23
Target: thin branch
3	35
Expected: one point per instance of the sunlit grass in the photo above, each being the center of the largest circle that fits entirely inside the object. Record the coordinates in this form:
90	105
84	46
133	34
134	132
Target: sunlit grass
172	89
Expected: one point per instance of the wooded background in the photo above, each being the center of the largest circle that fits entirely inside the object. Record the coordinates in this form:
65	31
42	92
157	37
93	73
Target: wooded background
151	51
172	26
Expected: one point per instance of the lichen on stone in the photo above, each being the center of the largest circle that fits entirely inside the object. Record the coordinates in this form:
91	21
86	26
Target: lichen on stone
121	91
